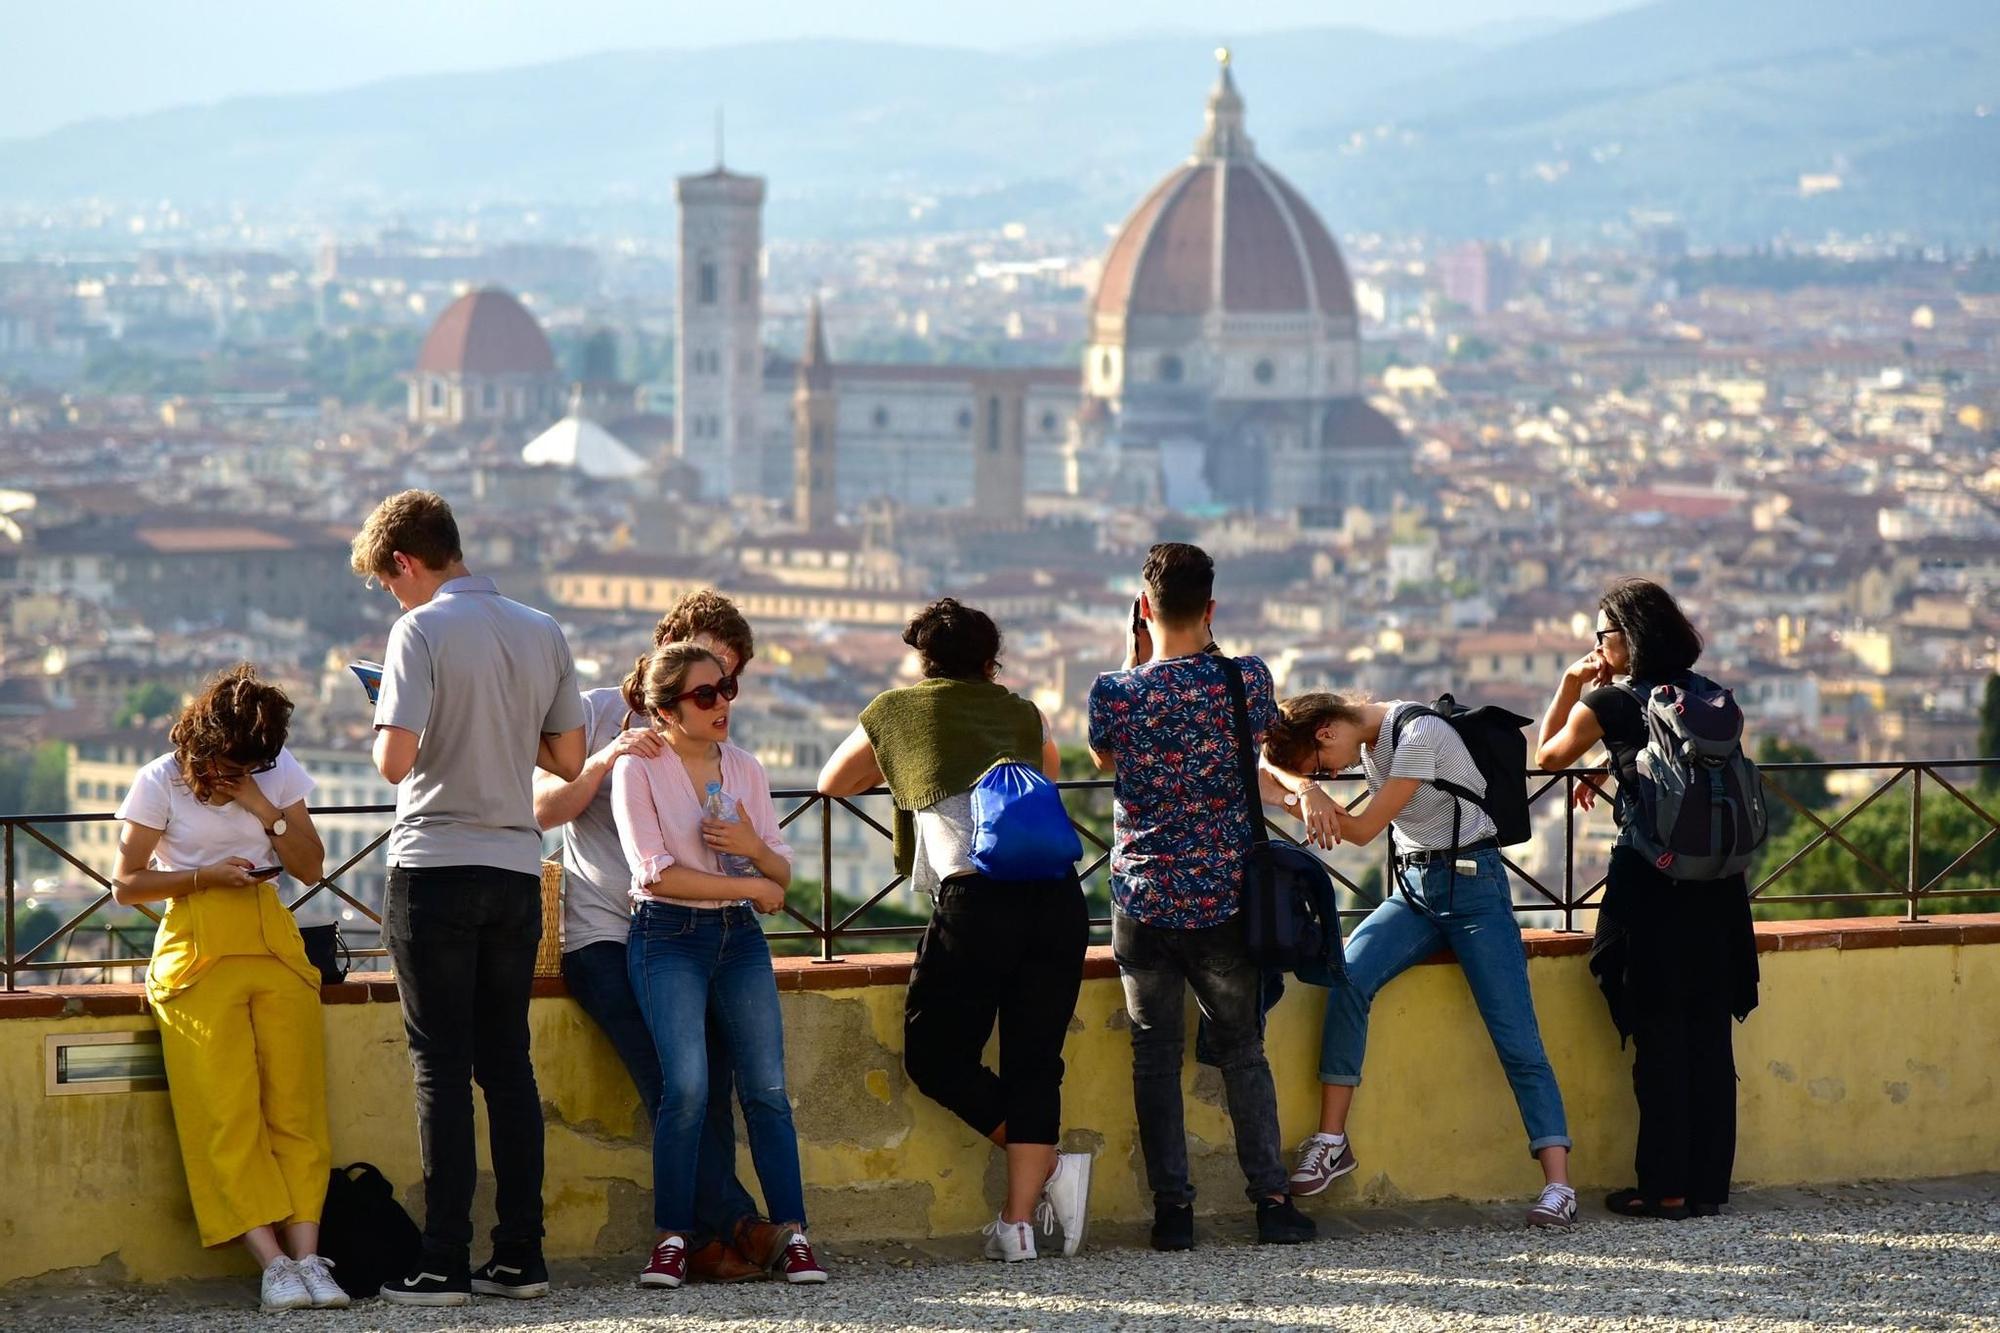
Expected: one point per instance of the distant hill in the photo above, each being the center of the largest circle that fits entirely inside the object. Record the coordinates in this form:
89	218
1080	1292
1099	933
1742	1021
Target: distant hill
1711	108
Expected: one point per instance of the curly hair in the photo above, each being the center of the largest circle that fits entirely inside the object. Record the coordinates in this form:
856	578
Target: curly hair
707	611
1292	742
954	641
237	719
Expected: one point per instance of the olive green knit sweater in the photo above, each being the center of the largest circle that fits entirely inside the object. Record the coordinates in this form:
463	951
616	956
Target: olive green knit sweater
936	739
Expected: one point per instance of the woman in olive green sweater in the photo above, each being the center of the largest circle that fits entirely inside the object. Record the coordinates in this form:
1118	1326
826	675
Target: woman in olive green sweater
1010	951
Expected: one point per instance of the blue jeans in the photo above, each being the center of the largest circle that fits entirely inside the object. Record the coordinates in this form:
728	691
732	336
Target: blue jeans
699	972
600	980
1476	922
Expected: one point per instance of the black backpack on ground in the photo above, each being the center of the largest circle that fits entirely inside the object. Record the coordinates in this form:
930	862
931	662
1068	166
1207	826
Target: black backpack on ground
364	1233
1291	918
1492	736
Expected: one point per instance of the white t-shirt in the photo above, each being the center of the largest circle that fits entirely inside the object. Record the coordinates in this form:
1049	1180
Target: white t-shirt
194	834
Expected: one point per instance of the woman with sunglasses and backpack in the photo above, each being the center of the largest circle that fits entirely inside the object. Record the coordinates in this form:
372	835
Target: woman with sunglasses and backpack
207	828
1450	892
1677	958
701	838
1006	951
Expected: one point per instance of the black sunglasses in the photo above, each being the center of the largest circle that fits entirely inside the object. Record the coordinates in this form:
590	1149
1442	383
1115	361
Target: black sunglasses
705	696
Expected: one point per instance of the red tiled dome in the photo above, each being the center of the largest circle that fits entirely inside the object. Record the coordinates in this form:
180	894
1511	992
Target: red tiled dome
1276	256
486	333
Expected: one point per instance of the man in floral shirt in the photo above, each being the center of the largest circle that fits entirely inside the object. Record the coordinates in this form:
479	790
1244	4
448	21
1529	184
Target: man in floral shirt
1165	726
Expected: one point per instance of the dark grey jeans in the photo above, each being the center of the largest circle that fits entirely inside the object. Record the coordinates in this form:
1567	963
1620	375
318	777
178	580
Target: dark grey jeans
1157	967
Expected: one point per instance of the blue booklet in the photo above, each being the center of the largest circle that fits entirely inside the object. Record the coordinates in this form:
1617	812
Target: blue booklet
370	675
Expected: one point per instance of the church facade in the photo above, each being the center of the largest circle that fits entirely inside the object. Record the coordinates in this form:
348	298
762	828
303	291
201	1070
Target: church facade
1223	368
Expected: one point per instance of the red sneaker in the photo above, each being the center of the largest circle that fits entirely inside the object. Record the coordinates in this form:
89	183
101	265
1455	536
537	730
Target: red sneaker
668	1266
797	1262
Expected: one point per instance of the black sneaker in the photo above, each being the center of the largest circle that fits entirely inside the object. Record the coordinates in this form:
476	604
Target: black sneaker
1173	1226
425	1285
520	1277
1279	1222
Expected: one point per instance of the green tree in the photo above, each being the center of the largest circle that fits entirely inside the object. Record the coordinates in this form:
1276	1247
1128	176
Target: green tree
151	702
47	788
1808	789
1882	834
1989	732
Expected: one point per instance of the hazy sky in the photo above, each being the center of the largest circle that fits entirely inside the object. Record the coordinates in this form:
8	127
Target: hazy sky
65	60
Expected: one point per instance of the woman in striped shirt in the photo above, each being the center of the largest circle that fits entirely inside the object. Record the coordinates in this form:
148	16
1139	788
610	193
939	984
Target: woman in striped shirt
1454	895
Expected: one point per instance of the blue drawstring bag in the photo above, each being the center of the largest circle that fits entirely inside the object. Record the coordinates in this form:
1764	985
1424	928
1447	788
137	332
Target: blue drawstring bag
1020	829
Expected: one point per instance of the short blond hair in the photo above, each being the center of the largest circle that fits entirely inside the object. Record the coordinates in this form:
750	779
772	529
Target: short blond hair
417	523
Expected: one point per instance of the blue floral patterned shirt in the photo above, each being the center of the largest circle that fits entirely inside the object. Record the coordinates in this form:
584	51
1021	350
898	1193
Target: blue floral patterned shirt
1179	817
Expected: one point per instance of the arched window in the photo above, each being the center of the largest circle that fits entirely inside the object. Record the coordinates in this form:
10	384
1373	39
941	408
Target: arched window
993	425
706	282
1264	371
880	417
1171	369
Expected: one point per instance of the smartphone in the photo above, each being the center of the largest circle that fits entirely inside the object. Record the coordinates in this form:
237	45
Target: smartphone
267	872
1138	622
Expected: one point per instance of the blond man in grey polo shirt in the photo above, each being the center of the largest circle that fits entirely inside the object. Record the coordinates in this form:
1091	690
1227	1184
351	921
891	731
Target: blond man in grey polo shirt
477	693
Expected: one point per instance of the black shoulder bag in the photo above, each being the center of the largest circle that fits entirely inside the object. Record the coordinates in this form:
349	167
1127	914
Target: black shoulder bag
1291	919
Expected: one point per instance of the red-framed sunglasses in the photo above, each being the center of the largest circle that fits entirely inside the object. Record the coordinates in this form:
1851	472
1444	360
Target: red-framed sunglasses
706	696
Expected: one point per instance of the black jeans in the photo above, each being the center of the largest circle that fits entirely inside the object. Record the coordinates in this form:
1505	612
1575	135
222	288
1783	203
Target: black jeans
463	939
1158	966
1006	950
1677	997
599	981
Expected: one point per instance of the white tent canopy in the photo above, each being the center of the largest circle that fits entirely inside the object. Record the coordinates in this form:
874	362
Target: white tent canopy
580	443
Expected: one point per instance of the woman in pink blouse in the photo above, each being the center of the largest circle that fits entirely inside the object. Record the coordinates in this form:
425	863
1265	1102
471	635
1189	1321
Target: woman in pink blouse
701	836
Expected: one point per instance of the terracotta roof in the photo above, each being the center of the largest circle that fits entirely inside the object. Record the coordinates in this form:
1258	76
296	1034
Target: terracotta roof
486	333
1276	255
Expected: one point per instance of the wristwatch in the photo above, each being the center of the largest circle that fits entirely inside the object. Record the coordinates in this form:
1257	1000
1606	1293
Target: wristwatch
277	829
1296	797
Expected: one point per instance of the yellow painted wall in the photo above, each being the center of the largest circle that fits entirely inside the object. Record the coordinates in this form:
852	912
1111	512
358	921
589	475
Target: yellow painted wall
1866	1062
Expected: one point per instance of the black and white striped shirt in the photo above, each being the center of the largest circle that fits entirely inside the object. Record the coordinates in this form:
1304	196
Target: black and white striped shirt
1427	750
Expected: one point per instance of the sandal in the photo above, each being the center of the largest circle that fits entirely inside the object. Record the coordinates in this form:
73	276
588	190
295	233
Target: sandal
1631	1203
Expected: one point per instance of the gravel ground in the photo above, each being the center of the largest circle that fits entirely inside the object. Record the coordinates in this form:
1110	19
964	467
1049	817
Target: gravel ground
1891	1256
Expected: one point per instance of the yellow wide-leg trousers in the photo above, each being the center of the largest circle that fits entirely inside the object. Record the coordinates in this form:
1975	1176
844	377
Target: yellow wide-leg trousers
246	1073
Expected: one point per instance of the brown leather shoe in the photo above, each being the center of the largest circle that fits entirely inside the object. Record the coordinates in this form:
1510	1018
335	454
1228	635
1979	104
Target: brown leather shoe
762	1243
717	1262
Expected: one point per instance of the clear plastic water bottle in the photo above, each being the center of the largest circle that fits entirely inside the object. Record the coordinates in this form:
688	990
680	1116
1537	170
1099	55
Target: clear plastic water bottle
719	804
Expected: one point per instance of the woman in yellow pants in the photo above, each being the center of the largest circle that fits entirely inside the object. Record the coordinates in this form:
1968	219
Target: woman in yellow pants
207	828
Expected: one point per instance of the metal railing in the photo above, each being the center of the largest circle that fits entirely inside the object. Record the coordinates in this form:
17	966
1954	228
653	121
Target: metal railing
1561	887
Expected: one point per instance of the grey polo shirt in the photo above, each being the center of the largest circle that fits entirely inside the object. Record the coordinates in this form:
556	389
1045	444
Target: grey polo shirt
480	679
596	906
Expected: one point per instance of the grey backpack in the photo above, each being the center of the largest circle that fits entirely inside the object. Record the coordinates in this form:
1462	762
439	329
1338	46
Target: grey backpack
1697	808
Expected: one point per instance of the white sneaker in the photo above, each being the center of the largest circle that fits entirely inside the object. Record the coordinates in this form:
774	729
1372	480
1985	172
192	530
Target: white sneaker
1555	1208
1066	1200
283	1288
1010	1242
317	1273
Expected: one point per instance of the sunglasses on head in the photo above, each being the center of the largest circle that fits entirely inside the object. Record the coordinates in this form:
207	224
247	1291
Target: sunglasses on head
706	696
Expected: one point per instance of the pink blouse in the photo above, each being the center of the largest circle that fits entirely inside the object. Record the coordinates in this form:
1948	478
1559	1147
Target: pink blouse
659	816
